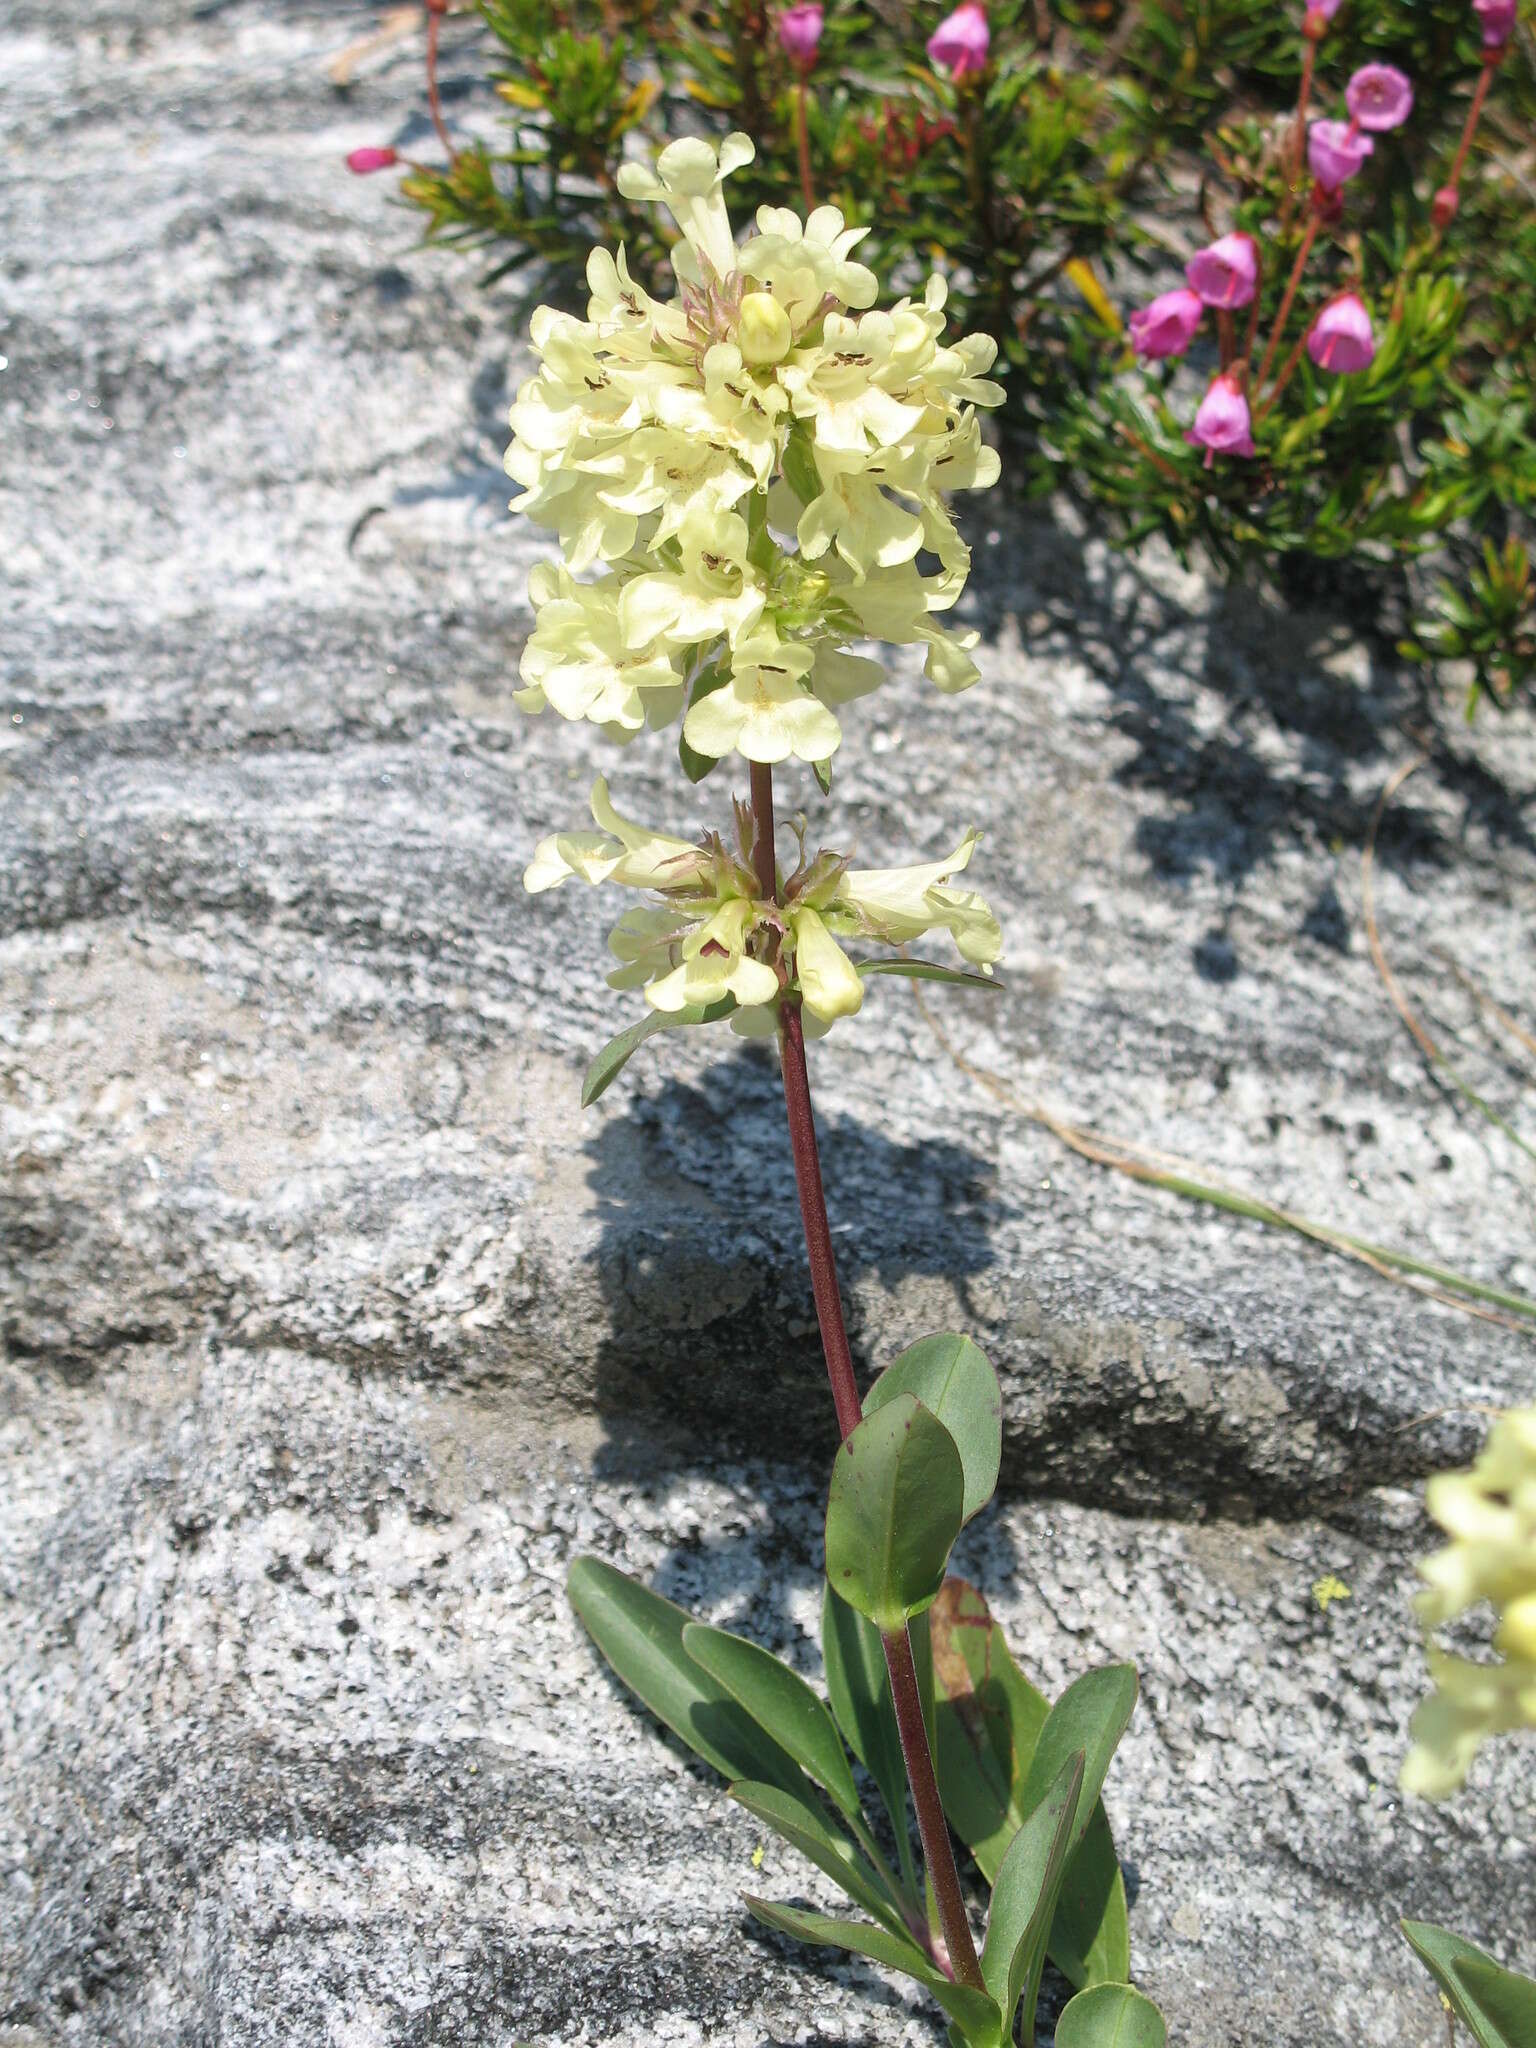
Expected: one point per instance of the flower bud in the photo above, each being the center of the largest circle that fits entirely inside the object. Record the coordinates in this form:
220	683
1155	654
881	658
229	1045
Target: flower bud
960	43
1222	425
1227	273
1498	20
1314	23
764	335
1167	326
1379	97
1443	206
1334	154
365	161
799	29
1340	338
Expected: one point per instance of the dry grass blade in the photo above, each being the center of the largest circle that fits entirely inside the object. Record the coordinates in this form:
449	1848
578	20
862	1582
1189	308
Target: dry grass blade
395	26
1511	1311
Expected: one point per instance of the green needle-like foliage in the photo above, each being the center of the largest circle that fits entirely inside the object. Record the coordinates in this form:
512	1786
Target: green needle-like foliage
1063	187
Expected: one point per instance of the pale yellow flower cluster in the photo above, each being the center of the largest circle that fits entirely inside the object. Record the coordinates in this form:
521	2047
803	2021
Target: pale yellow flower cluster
742	479
707	934
1490	1515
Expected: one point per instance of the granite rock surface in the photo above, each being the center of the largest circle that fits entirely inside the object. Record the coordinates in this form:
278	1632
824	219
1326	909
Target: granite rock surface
332	1327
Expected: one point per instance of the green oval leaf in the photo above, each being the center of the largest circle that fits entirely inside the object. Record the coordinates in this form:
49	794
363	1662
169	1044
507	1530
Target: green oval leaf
1505	2000
1491	2002
954	1381
859	1687
1090	1716
930	970
1024	1897
1111	2016
988	1724
970	2010
618	1052
806	1828
641	1635
781	1702
894	1511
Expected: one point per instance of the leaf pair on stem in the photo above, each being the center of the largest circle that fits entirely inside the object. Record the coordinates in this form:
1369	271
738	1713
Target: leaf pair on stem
1019	1778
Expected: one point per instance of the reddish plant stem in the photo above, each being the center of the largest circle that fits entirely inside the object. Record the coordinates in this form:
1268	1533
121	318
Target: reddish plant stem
1287	372
1286	303
1294	154
813	1216
1298	136
1474	114
960	1956
939	1856
803	140
1251	332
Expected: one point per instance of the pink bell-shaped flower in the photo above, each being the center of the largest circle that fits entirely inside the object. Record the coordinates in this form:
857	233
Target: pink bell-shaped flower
366	161
1379	97
960	43
799	31
1227	273
1498	20
1340	338
1167	326
1335	153
1222	425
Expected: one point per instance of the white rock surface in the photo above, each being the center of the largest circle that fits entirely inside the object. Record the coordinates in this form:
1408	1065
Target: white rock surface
332	1327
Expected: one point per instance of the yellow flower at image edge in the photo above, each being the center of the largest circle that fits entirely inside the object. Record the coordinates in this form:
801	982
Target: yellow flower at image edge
704	933
1489	1513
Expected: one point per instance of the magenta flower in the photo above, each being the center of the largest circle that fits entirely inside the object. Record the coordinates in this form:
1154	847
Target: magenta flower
1227	273
1222	425
1498	20
365	161
1167	326
1335	152
1326	8
799	32
1340	338
1379	97
960	43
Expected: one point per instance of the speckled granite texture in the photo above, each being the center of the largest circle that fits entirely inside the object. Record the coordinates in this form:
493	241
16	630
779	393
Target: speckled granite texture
332	1326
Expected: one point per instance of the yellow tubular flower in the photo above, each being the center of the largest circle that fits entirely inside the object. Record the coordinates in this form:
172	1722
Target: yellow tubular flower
763	457
1490	1515
705	933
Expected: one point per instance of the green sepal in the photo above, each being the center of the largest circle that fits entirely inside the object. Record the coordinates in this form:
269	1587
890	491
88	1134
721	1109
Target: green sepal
1111	2016
822	770
800	471
618	1052
781	1703
952	1378
1024	1898
893	1512
641	1636
928	970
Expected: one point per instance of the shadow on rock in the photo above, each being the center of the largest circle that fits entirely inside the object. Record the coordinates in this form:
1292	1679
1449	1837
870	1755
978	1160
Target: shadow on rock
703	1266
